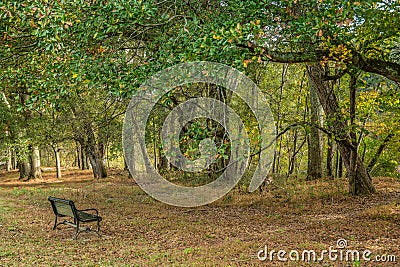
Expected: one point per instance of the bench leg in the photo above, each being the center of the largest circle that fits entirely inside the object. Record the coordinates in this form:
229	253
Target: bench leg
77	230
55	224
98	228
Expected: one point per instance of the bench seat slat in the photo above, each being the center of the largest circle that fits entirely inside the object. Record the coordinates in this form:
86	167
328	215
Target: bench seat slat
86	217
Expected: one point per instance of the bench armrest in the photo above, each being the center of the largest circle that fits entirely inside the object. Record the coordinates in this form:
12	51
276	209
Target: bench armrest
97	212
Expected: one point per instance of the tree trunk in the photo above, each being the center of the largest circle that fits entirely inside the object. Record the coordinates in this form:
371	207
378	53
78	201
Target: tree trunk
126	168
95	154
330	154
14	160
84	161
339	165
9	160
378	152
292	159
24	168
99	171
361	182
35	163
58	161
78	156
278	121
314	137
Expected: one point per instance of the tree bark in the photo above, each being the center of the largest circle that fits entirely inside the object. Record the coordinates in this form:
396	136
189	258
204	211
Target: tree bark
339	165
58	161
95	154
35	163
352	172
361	182
99	170
278	121
14	159
292	159
9	160
330	154
78	156
84	162
314	170
24	168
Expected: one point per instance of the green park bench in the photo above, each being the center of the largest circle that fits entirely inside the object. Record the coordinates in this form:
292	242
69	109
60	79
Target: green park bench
66	208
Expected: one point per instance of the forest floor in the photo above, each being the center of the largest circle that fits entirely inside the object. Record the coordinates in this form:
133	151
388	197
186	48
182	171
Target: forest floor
140	231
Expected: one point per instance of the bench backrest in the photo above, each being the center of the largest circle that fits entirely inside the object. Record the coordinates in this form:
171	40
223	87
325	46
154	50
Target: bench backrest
63	207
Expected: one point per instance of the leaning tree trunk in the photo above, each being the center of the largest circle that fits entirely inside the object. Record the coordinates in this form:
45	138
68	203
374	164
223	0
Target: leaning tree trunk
378	153
35	163
360	182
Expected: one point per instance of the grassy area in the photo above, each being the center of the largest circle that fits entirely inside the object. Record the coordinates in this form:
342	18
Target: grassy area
139	231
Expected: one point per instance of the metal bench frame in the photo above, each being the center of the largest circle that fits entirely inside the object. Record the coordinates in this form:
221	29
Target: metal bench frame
66	208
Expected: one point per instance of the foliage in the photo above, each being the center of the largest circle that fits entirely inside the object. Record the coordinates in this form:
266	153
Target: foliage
53	52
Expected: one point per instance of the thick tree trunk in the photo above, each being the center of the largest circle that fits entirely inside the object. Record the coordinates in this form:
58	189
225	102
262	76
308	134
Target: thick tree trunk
95	154
35	163
99	170
24	169
314	137
360	182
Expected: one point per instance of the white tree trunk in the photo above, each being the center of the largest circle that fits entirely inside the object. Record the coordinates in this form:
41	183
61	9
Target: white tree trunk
35	166
9	166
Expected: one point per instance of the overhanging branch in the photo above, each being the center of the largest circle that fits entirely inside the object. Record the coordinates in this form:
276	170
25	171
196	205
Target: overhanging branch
388	69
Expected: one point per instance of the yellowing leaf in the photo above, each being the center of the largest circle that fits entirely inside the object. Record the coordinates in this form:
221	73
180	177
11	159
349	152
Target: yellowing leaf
217	37
246	62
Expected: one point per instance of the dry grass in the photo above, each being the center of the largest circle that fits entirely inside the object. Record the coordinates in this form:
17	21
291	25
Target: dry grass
139	231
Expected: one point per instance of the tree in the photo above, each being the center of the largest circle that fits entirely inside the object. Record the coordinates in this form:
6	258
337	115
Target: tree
49	46
315	155
336	32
